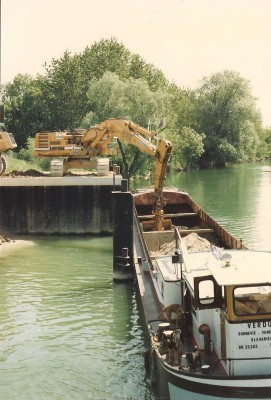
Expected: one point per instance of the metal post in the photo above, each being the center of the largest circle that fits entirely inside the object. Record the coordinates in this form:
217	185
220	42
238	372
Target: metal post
124	185
123	264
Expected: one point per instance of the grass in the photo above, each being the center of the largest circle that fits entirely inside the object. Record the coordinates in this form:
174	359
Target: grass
15	164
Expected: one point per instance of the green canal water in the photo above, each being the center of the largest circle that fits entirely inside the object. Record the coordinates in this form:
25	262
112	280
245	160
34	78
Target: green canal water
68	332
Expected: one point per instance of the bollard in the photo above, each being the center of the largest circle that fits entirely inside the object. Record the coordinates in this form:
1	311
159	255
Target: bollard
124	185
123	261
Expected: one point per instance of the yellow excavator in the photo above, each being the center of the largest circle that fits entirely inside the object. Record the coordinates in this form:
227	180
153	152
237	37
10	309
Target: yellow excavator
79	149
7	141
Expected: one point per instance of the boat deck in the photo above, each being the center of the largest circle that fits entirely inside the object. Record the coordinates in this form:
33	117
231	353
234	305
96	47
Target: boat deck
150	302
152	307
188	347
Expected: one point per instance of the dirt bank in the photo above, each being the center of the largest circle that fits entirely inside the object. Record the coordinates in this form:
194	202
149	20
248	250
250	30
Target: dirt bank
15	245
33	173
6	236
9	242
21	174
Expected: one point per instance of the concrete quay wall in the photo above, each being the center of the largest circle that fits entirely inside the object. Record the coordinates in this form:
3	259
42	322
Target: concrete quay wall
62	205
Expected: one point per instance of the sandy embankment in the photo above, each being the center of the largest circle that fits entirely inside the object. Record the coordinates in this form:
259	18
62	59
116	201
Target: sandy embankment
9	243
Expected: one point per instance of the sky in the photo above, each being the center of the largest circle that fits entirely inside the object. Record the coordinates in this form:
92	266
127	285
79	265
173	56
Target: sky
187	39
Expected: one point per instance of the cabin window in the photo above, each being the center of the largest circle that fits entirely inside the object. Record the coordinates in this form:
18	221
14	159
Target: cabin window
252	300
208	294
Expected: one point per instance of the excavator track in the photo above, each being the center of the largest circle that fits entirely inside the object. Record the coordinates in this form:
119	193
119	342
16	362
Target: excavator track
3	165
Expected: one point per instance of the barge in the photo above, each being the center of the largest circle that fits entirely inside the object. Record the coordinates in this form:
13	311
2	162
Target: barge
206	299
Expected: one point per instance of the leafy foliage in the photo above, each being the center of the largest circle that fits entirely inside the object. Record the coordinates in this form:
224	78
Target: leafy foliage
25	107
26	154
190	147
264	145
213	125
227	114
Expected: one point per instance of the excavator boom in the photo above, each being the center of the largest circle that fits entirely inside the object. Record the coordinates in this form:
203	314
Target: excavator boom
134	134
102	134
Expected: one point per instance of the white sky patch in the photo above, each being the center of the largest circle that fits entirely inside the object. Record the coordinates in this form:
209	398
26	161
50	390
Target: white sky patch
186	39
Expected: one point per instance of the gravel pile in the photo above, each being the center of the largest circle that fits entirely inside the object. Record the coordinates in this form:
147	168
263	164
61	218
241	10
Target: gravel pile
196	243
192	241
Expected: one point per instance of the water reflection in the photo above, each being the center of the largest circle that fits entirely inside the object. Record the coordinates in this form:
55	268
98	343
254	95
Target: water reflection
67	331
261	225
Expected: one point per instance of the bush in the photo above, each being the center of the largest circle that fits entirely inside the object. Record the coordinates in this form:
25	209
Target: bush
26	154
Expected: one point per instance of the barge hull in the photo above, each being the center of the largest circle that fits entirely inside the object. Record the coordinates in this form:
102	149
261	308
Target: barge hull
175	382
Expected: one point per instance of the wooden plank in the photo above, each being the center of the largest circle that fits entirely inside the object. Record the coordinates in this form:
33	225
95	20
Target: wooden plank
189	214
196	230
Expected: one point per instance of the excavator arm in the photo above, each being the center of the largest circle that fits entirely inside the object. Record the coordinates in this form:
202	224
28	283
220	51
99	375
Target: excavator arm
100	136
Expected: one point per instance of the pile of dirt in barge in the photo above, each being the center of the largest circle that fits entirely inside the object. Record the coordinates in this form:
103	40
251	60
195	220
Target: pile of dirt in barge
193	242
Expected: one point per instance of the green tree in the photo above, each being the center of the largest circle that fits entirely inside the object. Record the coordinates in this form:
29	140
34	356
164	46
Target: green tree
183	108
227	114
138	68
25	107
111	97
188	147
105	56
264	145
132	99
65	89
67	78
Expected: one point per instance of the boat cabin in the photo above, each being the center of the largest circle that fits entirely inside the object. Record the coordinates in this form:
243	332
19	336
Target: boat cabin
227	293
